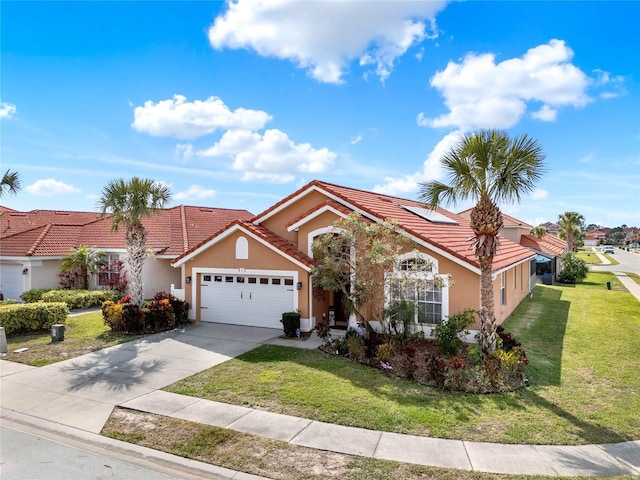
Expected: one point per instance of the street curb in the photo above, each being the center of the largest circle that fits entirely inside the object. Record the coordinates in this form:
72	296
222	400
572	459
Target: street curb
135	454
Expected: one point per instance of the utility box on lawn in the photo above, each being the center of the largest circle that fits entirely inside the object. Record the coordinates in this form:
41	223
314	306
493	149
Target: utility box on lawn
57	332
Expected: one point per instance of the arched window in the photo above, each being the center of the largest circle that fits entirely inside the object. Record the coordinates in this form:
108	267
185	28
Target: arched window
416	280
242	248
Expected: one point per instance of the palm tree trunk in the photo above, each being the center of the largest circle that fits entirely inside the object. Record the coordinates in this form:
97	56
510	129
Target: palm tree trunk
136	240
486	222
486	313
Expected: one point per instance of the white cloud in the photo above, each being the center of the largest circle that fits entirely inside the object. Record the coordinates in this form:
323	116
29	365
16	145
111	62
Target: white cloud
184	151
179	118
356	139
324	37
481	93
49	186
273	156
431	169
7	110
195	192
546	114
539	194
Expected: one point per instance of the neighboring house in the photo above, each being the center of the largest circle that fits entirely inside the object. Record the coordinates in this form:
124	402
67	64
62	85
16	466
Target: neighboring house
599	235
591	241
552	228
33	243
549	249
252	271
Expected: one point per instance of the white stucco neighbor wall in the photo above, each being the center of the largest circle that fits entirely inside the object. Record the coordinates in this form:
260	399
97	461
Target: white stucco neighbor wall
158	275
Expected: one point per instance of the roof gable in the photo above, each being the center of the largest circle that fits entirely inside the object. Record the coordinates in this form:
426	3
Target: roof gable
450	240
266	237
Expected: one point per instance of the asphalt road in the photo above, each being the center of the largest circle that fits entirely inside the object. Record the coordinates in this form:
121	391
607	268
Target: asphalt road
26	456
629	262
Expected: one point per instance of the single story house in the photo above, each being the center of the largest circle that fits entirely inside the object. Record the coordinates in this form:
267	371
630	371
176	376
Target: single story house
32	244
253	270
549	248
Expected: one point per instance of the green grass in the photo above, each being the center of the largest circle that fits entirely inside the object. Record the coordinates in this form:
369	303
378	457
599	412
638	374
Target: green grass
634	276
271	458
583	369
590	257
83	334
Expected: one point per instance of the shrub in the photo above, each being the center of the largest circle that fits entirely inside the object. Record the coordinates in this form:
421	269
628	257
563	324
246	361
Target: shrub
123	317
34	295
26	317
158	316
574	269
76	299
385	352
180	307
112	316
508	342
356	348
448	334
504	370
291	323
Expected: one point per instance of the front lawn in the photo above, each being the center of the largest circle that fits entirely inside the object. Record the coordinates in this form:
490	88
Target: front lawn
583	370
84	333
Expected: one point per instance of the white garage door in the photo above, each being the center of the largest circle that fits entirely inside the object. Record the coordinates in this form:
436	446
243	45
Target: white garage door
256	300
11	281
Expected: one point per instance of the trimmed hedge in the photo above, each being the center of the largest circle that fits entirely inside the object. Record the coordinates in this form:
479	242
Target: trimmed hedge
23	317
81	298
34	295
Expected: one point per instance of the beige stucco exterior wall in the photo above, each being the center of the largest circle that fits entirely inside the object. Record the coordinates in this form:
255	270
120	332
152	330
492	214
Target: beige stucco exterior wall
515	291
278	222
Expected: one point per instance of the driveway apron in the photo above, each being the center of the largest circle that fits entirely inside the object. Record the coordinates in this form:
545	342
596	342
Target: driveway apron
82	392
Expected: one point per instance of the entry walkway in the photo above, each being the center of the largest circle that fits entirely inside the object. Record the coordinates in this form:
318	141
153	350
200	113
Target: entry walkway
77	396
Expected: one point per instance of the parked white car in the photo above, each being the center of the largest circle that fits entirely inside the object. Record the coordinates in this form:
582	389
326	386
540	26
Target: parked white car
608	249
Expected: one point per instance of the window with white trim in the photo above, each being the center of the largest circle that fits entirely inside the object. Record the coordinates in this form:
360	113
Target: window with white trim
503	290
416	280
109	271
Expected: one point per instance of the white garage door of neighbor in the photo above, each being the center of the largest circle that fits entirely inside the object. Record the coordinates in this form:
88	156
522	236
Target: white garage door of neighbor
255	300
11	281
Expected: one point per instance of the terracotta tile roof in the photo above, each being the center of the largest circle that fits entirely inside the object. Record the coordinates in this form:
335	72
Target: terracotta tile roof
549	243
282	244
454	240
329	203
170	232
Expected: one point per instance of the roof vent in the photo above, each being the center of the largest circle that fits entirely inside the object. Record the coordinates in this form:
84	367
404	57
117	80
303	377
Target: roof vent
430	215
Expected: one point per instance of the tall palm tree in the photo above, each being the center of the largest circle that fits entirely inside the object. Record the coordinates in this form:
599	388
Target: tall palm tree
128	203
538	231
488	167
10	183
570	225
84	260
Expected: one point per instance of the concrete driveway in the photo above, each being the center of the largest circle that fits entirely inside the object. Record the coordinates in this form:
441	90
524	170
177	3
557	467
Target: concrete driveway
82	392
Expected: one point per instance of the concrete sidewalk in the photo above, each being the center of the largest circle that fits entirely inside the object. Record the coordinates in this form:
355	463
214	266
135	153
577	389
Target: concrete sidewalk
80	394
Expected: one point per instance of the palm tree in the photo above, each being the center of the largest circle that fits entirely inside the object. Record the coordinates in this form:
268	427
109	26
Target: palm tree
489	167
128	203
570	224
84	260
538	231
10	183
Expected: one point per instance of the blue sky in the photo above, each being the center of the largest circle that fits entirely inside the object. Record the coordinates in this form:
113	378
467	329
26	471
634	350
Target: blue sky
237	104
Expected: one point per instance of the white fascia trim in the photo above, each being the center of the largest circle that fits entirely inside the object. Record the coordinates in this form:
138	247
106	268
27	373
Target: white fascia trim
239	228
311	216
495	274
371	217
320	231
305	192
